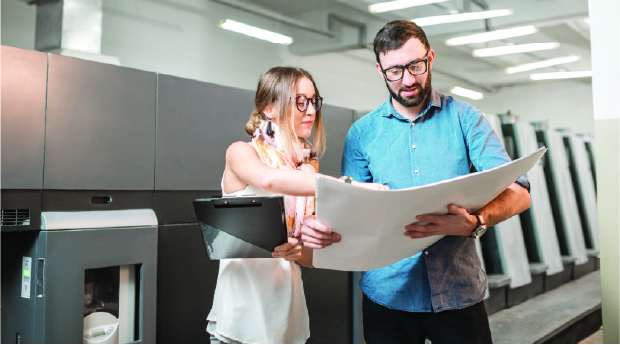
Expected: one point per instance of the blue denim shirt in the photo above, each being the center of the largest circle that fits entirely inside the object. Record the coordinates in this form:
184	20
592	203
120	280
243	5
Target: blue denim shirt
441	143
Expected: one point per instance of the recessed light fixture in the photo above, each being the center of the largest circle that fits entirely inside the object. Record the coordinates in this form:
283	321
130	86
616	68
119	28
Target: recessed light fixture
492	35
542	64
460	91
561	75
461	17
255	32
399	5
513	49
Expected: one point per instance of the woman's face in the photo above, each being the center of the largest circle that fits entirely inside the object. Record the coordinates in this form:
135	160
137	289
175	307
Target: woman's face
303	120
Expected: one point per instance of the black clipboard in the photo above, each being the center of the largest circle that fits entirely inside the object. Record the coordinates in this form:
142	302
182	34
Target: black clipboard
245	227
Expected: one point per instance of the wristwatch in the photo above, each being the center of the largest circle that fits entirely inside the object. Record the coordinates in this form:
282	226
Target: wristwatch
346	179
480	229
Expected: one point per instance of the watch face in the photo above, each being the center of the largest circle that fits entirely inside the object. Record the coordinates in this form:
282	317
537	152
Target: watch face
479	231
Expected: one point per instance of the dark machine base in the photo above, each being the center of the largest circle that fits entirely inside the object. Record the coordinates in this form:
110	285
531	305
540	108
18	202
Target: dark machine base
554	281
523	293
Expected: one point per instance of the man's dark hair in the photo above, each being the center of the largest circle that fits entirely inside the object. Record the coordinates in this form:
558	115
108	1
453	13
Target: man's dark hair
396	33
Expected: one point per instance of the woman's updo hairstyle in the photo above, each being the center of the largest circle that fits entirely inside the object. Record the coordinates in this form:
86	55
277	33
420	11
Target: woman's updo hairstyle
277	87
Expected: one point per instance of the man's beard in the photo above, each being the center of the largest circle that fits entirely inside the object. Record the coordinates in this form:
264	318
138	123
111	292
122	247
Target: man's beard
413	101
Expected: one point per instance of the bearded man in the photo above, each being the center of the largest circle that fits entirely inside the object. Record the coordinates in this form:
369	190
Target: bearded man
419	136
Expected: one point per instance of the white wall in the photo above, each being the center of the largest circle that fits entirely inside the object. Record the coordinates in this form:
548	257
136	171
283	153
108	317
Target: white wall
18	24
181	38
605	16
561	104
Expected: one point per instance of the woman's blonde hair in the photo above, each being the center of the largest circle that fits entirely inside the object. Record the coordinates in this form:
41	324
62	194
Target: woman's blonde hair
277	88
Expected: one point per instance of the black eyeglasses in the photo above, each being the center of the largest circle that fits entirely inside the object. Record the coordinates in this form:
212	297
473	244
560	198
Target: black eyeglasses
302	102
415	68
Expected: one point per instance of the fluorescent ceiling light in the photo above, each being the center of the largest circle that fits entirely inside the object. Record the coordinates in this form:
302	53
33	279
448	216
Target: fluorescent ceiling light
513	49
254	32
542	64
459	91
399	5
560	75
492	35
461	17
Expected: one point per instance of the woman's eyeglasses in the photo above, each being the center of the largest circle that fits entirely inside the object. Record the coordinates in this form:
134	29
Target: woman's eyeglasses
302	102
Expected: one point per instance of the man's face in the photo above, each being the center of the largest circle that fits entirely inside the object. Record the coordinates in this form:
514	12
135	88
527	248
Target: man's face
410	91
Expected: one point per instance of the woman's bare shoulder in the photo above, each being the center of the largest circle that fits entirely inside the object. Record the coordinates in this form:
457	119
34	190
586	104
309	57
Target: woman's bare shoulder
239	146
240	149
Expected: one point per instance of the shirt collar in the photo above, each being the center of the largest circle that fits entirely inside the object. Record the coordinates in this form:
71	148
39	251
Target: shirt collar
434	101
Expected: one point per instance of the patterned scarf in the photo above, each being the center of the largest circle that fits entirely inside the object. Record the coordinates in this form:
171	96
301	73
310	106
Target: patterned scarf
270	150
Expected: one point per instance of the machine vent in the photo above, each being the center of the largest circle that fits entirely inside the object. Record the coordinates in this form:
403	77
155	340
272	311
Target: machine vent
15	217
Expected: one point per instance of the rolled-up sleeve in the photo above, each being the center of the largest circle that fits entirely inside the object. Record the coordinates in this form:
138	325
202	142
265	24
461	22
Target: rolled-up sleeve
485	149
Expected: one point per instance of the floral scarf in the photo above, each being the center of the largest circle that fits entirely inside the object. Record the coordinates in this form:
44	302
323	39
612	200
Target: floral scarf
270	150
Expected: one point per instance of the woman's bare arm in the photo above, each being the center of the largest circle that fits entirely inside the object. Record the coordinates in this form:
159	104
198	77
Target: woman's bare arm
244	166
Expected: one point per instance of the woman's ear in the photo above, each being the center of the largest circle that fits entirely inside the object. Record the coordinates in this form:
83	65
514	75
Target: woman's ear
270	112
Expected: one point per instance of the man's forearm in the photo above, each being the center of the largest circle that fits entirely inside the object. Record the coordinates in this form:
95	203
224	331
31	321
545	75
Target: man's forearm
512	201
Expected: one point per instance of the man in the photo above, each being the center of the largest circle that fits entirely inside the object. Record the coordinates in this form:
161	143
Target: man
419	136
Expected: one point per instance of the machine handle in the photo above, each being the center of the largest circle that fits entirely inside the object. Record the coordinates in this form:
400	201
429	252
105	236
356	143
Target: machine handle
101	200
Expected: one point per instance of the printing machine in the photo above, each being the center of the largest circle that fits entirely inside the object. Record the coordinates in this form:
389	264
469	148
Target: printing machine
582	176
538	225
563	201
506	260
79	237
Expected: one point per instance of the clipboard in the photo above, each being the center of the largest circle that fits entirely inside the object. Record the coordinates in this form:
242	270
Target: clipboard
245	227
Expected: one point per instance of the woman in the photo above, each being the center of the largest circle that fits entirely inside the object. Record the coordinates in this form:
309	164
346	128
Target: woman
262	300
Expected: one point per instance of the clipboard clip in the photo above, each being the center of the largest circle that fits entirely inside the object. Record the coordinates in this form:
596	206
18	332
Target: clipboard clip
236	202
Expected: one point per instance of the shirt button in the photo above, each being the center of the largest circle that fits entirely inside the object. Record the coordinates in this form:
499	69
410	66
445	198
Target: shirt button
416	171
426	253
413	124
413	146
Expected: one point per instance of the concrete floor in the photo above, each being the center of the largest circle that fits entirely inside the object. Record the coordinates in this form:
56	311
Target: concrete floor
596	338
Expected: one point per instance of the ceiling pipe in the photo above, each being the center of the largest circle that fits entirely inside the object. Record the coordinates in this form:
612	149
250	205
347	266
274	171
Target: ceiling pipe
332	18
259	11
70	28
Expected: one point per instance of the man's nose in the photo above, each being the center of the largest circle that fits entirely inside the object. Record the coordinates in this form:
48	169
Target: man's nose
408	79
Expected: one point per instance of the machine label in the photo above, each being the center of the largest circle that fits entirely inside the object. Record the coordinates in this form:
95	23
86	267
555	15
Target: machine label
26	276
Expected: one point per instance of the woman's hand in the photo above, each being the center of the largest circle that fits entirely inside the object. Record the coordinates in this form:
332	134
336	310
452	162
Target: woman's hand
290	251
374	186
317	235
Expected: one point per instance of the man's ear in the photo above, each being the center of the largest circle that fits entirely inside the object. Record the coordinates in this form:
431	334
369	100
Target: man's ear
379	70
431	58
270	112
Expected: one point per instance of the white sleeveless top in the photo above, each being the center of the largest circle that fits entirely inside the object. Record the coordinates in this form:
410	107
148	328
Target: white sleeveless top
259	300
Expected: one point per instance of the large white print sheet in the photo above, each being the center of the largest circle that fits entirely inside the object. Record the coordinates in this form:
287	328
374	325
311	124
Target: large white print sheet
372	223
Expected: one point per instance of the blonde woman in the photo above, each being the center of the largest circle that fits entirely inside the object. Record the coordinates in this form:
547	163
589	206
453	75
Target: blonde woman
262	300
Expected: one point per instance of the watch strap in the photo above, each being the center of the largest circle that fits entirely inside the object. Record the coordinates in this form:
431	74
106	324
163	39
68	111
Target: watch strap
480	229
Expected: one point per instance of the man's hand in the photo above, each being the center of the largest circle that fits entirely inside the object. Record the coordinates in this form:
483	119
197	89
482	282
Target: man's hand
370	185
317	235
458	222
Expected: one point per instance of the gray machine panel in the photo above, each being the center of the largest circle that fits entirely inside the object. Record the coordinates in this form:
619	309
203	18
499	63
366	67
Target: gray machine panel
330	309
100	126
54	311
186	281
24	78
196	122
337	122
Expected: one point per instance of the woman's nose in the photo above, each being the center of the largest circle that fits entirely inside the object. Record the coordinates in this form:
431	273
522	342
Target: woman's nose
311	108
